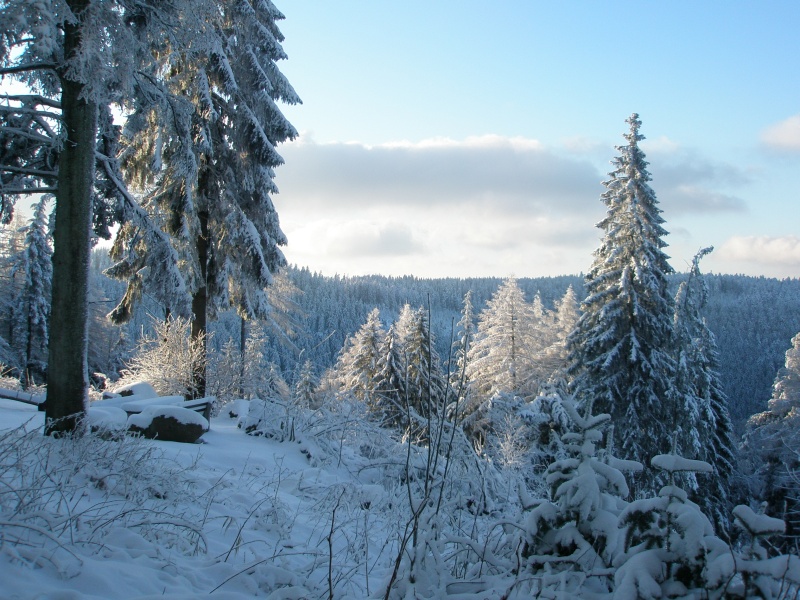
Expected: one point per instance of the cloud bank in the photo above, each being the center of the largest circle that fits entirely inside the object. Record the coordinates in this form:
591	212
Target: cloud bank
781	251
486	205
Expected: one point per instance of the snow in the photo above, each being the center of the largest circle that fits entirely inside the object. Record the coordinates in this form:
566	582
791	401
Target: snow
137	403
757	524
110	418
141	389
22	396
240	516
236	516
675	464
253	498
183	415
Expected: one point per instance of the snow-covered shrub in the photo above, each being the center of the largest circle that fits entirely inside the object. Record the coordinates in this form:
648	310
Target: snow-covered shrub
668	542
757	575
572	540
166	359
270	418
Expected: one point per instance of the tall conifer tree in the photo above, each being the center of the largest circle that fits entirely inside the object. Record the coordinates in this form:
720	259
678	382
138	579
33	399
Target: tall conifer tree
36	264
620	351
78	57
707	433
217	191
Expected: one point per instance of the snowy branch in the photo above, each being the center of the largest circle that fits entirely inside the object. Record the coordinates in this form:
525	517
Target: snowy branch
31	99
27	68
24	171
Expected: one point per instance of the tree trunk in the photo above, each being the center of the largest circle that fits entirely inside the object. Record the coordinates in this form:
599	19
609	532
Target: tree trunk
200	307
67	373
242	354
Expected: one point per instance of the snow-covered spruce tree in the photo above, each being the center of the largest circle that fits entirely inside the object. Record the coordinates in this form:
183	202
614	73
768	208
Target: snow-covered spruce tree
28	148
708	433
459	352
567	313
12	246
668	542
218	191
759	575
771	449
304	391
390	396
79	57
34	305
356	369
572	540
425	384
620	352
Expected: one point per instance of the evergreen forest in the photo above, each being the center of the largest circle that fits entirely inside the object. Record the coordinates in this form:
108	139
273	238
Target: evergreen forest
183	411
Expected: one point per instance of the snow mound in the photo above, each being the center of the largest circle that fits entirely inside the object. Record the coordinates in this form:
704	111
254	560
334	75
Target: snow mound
673	463
238	408
140	389
110	418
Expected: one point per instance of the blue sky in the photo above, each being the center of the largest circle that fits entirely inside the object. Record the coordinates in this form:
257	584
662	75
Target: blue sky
463	138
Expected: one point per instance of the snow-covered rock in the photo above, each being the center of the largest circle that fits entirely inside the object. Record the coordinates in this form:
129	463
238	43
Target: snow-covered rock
106	418
169	423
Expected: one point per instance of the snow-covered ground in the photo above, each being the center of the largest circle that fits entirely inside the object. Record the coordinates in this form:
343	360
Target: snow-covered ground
235	516
324	504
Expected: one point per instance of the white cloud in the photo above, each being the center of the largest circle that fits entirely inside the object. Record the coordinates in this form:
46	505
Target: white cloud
784	135
373	239
687	183
694	198
768	250
486	205
660	144
510	173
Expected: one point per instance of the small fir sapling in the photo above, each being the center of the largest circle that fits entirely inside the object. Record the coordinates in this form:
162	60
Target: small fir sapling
759	575
668	541
572	539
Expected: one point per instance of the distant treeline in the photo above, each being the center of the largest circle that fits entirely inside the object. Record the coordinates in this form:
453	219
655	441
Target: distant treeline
754	319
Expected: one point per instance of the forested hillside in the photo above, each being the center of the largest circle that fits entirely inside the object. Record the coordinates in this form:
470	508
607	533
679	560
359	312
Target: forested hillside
754	319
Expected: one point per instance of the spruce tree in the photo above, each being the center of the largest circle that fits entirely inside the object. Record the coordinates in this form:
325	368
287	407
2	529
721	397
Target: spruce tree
576	530
620	352
459	382
305	388
37	267
771	449
78	58
708	433
357	366
391	396
215	185
425	383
